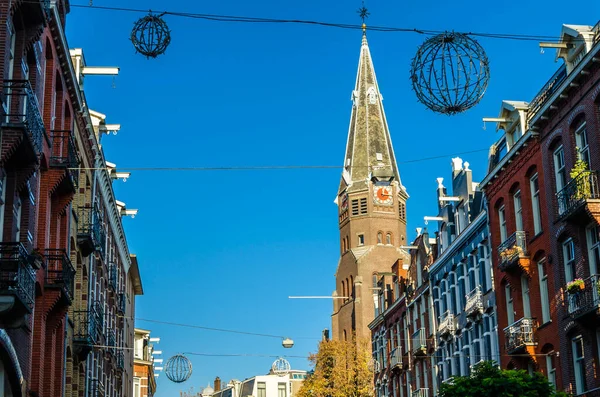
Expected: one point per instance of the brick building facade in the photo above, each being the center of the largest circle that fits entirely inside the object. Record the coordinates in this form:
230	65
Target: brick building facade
65	269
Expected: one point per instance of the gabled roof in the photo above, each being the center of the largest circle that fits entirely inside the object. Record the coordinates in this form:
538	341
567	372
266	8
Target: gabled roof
369	145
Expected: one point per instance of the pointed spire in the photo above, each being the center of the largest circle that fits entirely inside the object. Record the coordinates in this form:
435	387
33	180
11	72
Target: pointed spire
369	146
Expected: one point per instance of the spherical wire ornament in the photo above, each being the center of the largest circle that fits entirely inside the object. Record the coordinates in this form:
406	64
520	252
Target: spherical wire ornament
178	368
450	73
150	36
281	366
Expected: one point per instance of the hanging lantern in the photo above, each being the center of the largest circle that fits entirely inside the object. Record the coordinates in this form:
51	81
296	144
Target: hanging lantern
178	368
281	366
450	73
150	36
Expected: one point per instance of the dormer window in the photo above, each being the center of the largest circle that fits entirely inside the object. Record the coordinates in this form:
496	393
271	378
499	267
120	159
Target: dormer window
372	95
514	135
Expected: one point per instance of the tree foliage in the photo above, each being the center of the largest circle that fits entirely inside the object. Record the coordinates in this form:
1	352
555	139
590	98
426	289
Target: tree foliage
340	369
487	380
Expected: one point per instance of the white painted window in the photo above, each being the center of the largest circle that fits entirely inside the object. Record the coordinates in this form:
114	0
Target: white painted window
544	295
582	143
569	259
518	210
560	174
136	387
579	364
593	241
510	309
526	297
551	371
281	390
502	221
361	239
261	389
17	211
535	204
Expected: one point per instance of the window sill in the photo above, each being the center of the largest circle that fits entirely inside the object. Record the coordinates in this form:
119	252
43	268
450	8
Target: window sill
547	323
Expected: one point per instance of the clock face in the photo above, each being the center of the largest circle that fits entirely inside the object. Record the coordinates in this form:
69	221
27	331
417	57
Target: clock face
344	205
383	195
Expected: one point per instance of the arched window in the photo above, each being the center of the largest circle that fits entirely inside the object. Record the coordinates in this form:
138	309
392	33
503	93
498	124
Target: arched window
388	239
343	289
352	287
379	238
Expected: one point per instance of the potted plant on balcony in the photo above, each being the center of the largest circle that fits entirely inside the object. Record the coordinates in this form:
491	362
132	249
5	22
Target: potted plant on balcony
583	187
575	286
510	252
36	259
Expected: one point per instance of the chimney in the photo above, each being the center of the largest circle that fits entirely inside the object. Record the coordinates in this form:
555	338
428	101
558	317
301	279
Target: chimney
457	166
217	385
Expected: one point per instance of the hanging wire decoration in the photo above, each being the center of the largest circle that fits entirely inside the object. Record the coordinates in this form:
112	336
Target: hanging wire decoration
450	73
281	366
178	368
151	35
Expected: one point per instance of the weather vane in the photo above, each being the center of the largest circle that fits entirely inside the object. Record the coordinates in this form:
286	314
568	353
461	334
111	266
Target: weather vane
364	13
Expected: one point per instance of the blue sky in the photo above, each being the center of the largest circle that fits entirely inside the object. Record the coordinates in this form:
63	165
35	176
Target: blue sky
225	249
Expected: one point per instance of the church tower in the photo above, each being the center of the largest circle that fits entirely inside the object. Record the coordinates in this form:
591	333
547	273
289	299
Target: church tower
371	206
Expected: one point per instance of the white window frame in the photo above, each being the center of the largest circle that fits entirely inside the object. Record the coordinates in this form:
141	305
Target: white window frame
502	223
535	203
560	171
578	363
526	296
593	243
568	248
510	308
518	210
550	370
582	144
361	239
544	295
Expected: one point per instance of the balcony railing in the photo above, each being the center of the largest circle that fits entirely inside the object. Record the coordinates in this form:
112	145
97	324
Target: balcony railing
576	192
121	303
512	249
420	393
111	341
447	325
16	275
20	109
112	276
520	334
474	303
59	271
98	310
419	342
120	358
86	330
64	153
396	358
96	388
587	300
90	231
546	92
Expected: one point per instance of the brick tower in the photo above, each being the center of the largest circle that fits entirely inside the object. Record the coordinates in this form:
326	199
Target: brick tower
371	206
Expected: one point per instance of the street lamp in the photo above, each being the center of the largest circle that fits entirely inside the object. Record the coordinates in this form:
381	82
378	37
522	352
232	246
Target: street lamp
287	343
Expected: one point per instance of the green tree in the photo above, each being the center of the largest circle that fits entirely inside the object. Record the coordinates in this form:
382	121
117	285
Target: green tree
487	380
340	369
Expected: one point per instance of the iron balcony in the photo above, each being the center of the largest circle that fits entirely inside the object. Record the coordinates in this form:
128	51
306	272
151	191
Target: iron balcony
586	301
59	272
573	197
64	153
20	110
474	302
397	359
111	341
520	334
121	302
17	280
513	252
98	310
420	393
419	342
447	325
96	388
90	230
120	358
112	276
86	333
